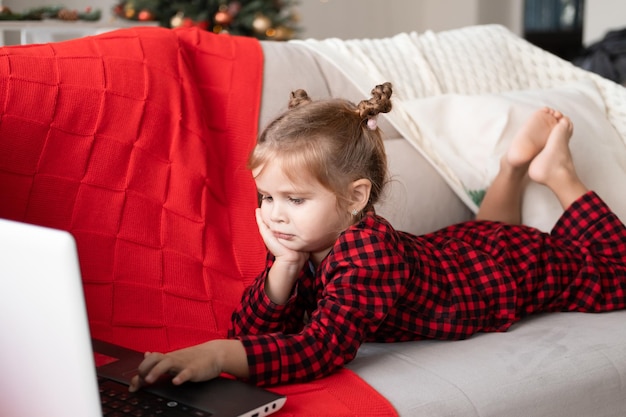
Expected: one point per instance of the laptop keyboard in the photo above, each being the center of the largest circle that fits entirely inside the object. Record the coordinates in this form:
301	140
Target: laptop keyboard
118	402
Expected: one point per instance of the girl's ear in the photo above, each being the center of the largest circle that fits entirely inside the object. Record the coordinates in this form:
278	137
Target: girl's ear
360	194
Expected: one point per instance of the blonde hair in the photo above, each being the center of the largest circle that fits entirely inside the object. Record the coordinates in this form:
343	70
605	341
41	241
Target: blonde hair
333	140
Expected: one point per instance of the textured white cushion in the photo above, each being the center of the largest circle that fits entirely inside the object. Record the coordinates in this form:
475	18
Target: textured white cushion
469	133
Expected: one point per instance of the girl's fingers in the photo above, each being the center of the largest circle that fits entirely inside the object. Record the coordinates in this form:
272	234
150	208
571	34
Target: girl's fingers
149	360
183	376
144	371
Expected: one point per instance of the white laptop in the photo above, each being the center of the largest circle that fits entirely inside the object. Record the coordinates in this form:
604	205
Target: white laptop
47	355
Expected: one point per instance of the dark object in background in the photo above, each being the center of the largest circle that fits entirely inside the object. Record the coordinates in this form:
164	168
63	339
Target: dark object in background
606	57
566	44
555	25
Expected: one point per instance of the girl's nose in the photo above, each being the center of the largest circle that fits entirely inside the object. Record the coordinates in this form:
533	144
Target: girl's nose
276	213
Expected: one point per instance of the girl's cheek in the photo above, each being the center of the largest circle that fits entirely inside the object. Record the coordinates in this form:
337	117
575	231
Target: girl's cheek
264	214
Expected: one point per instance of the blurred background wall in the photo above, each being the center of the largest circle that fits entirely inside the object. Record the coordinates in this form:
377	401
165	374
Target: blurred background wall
347	19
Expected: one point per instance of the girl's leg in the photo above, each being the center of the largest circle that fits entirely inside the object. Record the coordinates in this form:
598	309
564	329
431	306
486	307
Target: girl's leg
503	200
581	264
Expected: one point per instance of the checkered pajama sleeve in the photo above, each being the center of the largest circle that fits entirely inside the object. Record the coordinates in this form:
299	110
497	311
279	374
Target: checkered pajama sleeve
361	282
257	314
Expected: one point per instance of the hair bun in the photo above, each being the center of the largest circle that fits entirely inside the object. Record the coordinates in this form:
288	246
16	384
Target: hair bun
379	103
298	98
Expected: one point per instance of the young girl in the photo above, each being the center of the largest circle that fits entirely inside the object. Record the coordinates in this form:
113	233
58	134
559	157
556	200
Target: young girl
339	275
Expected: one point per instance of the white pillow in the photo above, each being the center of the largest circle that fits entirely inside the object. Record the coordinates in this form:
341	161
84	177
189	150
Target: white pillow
470	133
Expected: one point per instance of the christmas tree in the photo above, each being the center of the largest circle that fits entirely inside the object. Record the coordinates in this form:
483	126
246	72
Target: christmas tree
263	19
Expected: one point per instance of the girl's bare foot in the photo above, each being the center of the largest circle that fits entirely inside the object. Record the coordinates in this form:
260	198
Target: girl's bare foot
555	159
503	200
554	166
531	139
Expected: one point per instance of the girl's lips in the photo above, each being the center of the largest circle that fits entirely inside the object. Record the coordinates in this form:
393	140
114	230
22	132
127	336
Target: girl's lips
283	236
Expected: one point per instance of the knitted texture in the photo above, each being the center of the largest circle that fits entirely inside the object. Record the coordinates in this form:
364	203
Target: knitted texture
135	141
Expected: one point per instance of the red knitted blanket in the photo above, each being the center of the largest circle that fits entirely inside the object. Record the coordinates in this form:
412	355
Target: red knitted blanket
135	141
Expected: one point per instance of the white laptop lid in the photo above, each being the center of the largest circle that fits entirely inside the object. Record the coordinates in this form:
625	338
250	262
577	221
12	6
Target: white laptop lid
46	359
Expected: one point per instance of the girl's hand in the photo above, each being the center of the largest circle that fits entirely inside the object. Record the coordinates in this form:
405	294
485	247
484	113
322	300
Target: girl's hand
287	264
275	247
196	363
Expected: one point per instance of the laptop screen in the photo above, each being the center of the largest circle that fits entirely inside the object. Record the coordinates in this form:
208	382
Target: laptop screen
45	355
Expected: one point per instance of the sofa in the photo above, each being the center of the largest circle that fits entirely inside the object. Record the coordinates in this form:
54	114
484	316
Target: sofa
135	141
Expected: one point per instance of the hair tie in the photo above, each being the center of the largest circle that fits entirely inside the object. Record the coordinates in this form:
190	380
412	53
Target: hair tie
372	123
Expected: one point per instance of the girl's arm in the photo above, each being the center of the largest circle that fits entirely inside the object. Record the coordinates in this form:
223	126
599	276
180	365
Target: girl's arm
269	304
280	281
258	314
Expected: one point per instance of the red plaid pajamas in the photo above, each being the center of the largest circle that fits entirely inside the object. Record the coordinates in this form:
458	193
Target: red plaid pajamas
379	284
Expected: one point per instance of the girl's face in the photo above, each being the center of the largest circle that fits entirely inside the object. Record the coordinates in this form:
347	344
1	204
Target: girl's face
303	215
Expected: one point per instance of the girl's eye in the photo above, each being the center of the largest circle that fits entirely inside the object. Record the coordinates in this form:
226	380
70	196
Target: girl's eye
296	201
267	198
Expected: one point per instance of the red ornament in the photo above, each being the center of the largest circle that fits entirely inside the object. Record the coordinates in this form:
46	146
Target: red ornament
223	18
145	15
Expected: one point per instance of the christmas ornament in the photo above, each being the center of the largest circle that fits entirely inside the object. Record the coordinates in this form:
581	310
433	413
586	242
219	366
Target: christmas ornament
283	33
177	20
222	17
129	10
145	15
261	23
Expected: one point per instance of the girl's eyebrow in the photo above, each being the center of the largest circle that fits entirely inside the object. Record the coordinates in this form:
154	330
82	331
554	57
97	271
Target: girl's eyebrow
287	191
